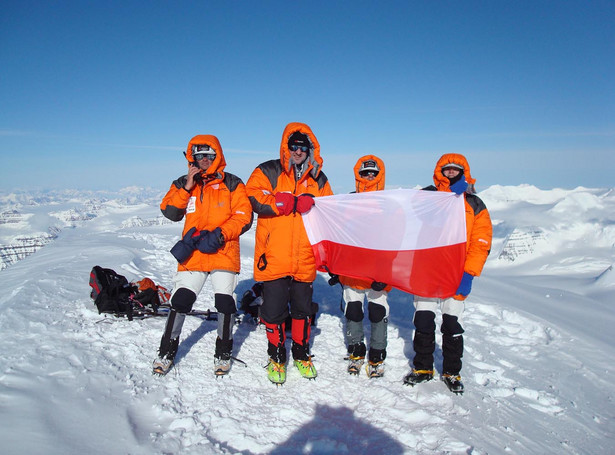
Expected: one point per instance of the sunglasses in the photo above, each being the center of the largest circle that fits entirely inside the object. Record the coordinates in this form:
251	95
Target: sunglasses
294	148
368	173
200	156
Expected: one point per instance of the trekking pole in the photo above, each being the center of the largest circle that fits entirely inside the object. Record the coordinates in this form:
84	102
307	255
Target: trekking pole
240	361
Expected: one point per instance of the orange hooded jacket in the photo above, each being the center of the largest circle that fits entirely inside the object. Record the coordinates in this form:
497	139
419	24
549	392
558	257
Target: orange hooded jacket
363	185
282	247
478	221
219	200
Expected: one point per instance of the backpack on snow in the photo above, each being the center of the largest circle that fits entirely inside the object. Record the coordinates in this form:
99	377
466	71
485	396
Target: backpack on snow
149	293
111	292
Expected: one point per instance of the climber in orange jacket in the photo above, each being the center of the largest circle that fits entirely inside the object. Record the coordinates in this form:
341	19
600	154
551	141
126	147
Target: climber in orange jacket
369	174
217	211
280	190
452	173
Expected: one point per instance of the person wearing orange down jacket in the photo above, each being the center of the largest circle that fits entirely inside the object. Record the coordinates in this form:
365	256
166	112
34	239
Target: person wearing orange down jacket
280	191
369	175
216	211
452	173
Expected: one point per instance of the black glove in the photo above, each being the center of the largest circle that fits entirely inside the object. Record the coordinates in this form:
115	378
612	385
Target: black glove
210	241
333	280
378	285
184	248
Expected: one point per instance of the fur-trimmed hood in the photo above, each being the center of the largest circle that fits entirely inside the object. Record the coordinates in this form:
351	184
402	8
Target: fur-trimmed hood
313	160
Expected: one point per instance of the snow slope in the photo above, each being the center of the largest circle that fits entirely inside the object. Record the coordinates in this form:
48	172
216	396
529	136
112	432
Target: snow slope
537	368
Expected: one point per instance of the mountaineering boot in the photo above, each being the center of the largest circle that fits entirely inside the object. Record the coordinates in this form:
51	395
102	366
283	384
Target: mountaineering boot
165	360
453	382
222	357
276	372
276	368
302	357
162	365
306	368
417	376
375	366
221	366
356	356
375	369
355	364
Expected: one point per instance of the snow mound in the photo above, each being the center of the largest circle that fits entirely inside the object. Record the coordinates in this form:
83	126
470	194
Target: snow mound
537	332
499	195
578	202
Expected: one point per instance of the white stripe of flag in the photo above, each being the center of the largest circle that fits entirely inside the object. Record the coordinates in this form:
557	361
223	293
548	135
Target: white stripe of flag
411	239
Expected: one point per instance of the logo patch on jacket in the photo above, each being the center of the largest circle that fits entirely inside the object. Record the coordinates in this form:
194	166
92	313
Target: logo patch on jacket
191	205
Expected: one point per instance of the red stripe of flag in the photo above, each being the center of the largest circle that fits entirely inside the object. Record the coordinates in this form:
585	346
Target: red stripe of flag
431	272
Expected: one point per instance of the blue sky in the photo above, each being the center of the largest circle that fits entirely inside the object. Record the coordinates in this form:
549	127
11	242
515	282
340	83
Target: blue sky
106	94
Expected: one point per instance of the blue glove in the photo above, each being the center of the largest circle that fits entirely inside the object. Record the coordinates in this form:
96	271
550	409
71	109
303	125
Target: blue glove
184	248
210	241
460	186
464	287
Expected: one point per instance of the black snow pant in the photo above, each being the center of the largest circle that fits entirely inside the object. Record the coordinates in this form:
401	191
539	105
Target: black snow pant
275	309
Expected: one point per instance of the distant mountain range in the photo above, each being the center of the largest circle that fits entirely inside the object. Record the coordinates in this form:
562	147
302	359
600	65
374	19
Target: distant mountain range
29	221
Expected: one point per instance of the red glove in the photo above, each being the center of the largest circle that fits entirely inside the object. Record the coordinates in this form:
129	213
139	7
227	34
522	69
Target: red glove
285	203
304	202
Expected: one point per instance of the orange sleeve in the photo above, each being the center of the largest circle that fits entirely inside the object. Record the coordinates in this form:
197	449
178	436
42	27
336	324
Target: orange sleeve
260	194
241	214
479	243
174	203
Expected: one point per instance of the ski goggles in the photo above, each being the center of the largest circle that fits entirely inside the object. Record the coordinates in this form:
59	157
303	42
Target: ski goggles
200	156
303	148
368	173
200	151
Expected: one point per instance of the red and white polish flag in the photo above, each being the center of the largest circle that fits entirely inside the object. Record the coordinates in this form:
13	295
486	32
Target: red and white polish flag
414	240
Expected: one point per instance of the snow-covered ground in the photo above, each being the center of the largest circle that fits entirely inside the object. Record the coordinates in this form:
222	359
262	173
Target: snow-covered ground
538	366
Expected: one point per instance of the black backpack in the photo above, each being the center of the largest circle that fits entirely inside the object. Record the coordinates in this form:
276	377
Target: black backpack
111	292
